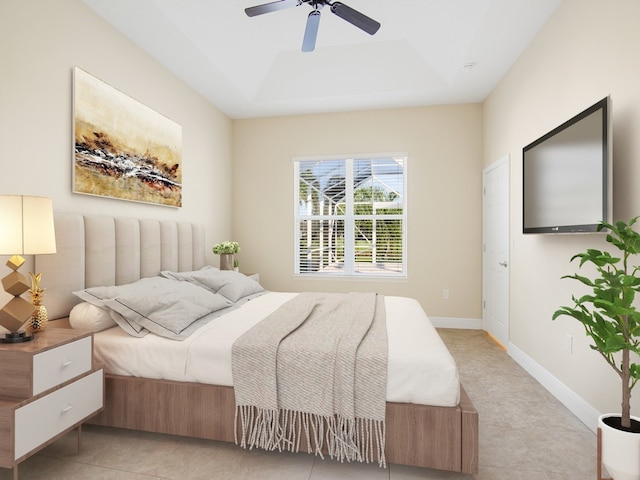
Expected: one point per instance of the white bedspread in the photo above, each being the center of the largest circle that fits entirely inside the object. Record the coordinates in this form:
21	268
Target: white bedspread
421	370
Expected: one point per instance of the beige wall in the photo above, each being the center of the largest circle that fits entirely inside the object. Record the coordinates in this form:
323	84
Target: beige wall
444	183
42	40
588	50
45	39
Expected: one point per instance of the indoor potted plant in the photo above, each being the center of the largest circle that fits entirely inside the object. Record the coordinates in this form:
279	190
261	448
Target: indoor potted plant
611	319
227	251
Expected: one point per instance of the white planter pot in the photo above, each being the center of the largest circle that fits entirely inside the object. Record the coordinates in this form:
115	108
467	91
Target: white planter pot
620	450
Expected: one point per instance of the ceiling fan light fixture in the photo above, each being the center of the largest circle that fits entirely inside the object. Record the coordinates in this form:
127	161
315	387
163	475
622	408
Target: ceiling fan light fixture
311	31
339	9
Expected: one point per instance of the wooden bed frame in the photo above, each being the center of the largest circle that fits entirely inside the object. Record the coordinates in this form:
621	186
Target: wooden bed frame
444	438
95	251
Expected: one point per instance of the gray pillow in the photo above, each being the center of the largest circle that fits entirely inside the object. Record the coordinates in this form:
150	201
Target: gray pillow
129	326
232	285
166	307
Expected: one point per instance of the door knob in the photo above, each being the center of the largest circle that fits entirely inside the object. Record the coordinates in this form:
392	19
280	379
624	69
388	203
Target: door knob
503	264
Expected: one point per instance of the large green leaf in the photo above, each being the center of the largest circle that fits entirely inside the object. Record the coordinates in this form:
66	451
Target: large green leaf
608	313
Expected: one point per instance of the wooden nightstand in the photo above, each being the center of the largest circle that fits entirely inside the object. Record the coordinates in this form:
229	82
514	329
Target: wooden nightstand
48	387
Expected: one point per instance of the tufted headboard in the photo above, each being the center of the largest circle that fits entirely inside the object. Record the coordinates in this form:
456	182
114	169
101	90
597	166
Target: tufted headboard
96	250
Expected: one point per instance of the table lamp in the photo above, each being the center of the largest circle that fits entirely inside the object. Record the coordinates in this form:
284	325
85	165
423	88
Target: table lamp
26	228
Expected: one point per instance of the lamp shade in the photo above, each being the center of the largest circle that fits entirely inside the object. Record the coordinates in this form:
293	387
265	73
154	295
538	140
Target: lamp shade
26	225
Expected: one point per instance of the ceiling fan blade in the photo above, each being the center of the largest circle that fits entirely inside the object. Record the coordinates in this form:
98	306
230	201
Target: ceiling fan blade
311	31
271	7
354	17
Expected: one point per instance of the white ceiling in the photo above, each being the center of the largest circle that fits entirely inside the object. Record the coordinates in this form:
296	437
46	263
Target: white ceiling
252	67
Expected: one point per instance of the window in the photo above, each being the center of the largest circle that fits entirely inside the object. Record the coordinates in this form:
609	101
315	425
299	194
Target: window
350	217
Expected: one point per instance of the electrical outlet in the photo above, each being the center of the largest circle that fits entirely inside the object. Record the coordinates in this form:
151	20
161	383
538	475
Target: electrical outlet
445	294
568	343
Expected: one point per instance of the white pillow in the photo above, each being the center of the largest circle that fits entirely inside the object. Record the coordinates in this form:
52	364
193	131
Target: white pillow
85	316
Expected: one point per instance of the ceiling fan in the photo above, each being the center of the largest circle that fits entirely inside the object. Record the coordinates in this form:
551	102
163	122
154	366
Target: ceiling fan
343	11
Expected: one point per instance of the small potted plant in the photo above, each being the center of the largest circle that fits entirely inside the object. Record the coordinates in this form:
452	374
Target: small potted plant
227	251
611	319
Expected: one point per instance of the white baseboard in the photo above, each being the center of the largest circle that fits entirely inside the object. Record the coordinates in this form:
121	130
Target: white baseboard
452	322
577	405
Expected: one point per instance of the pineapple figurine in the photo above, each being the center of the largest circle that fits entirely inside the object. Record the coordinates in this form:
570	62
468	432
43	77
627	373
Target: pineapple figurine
40	317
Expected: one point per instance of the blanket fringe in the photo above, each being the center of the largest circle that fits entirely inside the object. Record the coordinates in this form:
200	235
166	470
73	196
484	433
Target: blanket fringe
347	439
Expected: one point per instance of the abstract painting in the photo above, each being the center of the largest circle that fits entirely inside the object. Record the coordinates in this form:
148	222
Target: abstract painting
122	148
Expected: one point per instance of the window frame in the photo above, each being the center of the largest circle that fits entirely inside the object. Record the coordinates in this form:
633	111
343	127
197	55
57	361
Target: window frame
349	269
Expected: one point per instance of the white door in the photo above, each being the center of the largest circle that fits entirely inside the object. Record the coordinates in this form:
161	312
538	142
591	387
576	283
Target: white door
495	257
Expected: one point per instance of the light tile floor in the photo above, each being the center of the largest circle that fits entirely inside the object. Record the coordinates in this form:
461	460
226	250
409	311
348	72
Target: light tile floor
525	434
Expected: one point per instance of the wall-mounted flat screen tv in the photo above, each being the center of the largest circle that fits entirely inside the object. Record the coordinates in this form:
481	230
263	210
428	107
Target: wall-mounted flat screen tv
567	175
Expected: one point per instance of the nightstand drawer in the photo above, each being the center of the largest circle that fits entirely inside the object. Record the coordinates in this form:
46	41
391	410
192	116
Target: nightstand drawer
60	364
39	421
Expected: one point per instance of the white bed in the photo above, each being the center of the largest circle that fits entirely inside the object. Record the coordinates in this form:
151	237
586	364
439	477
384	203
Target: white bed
431	422
420	369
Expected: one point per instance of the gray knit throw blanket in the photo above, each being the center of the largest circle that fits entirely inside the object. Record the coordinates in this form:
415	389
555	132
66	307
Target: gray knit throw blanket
316	368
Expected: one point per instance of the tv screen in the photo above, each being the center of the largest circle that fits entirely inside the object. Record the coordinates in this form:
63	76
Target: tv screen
567	175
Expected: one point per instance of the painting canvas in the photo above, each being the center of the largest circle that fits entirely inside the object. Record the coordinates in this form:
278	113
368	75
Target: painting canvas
123	149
